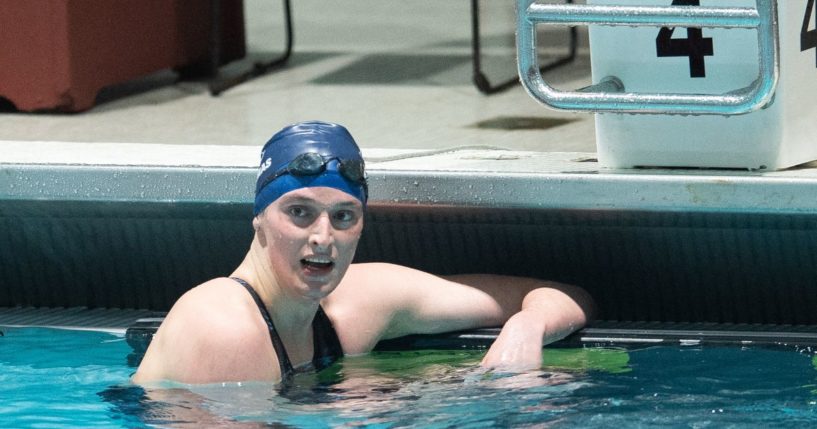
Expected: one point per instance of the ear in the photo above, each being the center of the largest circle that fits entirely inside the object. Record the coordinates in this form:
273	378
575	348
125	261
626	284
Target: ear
256	225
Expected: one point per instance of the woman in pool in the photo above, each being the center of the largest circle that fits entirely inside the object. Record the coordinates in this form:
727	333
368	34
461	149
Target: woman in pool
296	302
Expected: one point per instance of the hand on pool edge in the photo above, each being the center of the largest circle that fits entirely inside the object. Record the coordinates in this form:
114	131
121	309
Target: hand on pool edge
518	347
548	314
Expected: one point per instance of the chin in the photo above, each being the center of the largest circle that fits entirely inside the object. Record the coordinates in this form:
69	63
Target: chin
319	290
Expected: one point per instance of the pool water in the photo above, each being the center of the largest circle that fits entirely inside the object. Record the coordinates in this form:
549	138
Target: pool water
50	377
57	378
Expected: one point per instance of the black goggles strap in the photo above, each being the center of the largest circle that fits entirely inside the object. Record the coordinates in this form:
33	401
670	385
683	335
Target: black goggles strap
313	164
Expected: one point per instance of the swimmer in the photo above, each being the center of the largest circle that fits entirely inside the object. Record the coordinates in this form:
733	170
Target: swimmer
297	302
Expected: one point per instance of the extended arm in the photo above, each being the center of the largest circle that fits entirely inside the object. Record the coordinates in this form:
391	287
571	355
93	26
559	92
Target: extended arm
393	301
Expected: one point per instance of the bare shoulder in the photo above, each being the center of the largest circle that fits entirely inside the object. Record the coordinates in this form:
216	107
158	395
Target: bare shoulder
208	309
206	337
363	304
371	296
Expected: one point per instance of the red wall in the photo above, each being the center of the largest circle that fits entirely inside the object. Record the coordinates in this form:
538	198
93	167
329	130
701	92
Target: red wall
57	54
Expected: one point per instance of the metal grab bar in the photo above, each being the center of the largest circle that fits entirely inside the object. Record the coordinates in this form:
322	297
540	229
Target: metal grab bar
610	94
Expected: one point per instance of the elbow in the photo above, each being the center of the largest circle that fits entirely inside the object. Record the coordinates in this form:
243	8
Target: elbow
585	303
569	303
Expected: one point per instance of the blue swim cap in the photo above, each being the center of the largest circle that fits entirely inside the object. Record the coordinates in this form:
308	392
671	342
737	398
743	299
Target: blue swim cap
332	141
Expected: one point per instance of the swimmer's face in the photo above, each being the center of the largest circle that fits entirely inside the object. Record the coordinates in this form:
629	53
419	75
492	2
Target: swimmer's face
310	236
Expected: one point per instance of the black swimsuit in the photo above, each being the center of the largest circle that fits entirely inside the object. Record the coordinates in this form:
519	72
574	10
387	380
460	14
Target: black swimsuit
325	339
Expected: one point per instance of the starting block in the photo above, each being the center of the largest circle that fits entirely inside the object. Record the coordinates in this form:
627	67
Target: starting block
689	83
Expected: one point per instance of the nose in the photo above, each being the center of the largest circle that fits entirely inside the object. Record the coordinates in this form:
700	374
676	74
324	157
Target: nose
321	236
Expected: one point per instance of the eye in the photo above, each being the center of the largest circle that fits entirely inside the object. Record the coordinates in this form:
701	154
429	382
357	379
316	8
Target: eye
344	215
298	211
344	218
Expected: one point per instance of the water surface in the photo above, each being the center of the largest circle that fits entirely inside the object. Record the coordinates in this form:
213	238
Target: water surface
55	378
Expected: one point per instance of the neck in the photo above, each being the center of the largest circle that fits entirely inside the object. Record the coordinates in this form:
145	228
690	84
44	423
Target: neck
289	314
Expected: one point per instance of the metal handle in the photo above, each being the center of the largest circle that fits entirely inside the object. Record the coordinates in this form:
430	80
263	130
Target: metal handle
610	94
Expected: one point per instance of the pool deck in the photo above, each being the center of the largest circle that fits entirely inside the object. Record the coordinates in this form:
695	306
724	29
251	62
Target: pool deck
403	87
396	81
468	176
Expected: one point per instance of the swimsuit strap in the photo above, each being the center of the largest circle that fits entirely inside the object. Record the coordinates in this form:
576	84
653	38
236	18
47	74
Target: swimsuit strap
278	345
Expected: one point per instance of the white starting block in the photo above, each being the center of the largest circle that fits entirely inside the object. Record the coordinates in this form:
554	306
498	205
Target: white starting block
689	83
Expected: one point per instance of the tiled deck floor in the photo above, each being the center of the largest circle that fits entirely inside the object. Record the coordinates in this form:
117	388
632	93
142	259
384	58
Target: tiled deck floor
397	74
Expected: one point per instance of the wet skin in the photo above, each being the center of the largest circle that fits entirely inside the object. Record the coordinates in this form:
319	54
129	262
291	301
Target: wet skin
310	236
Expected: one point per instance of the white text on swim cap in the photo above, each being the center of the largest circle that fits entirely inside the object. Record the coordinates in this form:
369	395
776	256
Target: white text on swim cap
264	166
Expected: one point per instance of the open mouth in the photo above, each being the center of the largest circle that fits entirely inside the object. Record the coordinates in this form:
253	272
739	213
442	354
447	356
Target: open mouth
316	263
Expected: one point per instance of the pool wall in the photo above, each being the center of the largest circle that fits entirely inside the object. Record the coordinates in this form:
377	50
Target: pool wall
649	245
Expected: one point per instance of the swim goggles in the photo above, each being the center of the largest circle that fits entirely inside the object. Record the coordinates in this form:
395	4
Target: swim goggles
313	164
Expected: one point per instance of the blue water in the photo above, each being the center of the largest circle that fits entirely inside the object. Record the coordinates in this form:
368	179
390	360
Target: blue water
50	378
53	379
